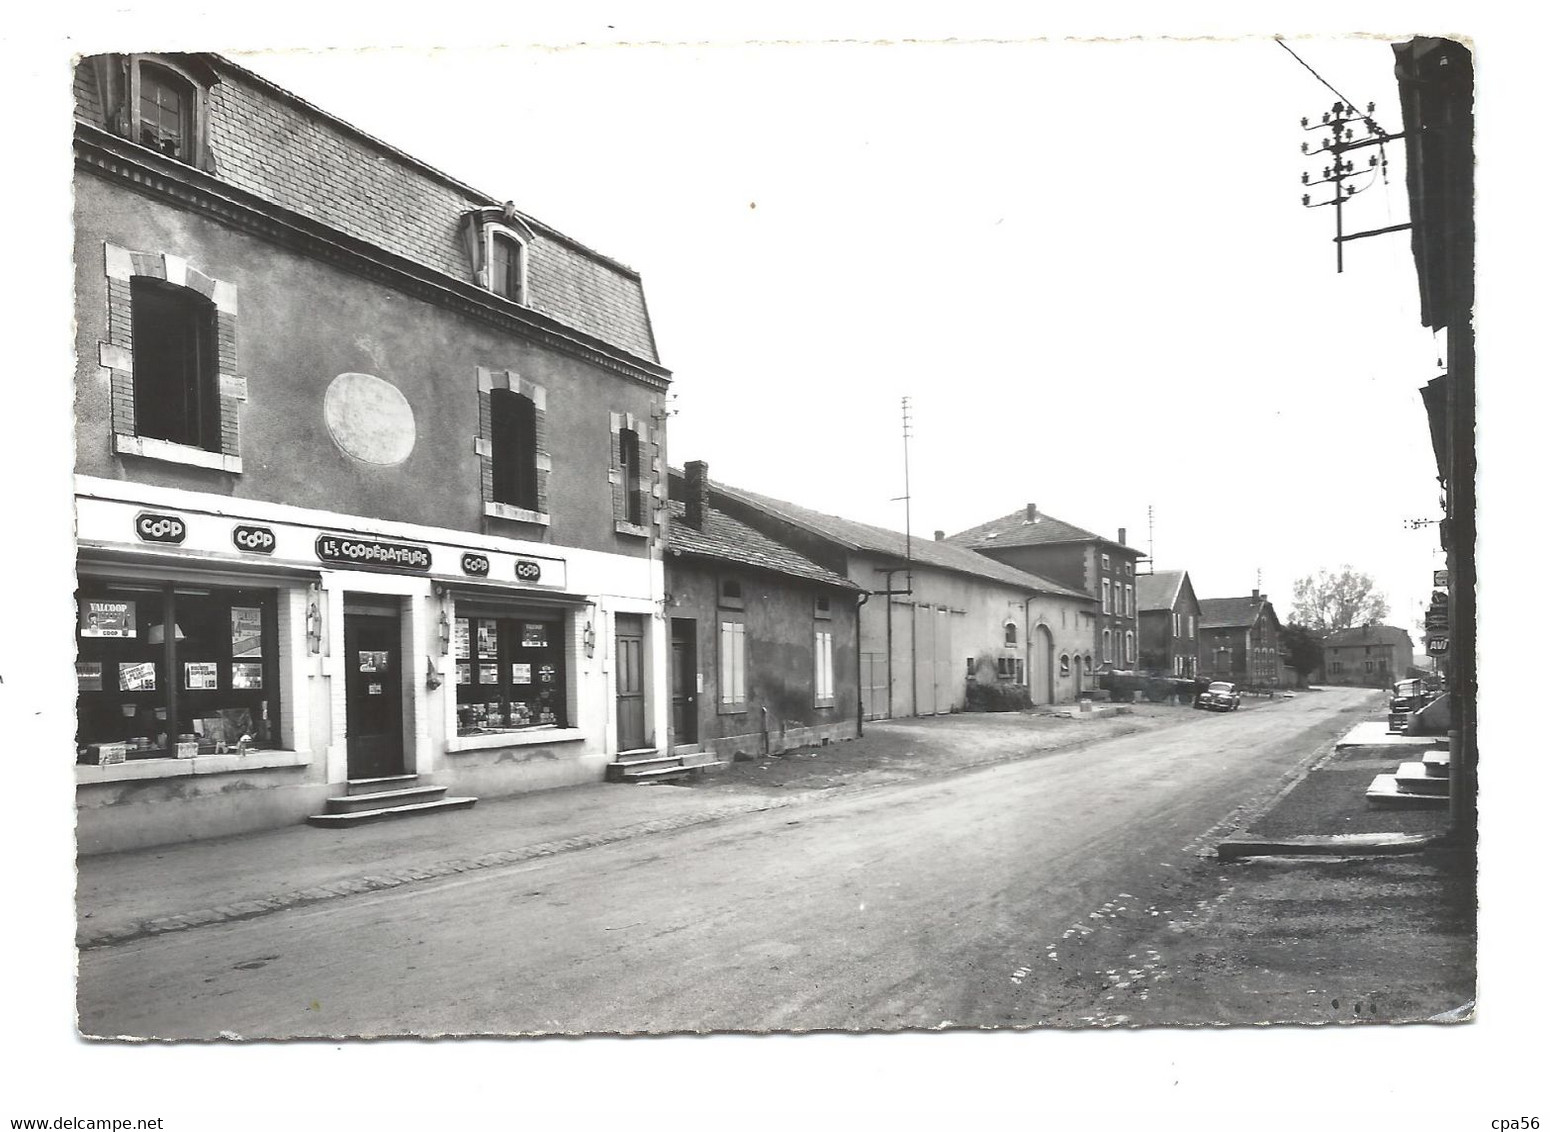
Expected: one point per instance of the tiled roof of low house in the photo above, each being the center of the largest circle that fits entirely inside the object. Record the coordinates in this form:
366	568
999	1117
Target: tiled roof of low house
1368	635
726	540
1159	589
289	152
1017	529
879	540
1231	612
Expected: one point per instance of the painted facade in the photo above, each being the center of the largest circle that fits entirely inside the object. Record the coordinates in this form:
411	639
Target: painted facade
763	641
937	616
1240	641
1103	569
1168	614
392	472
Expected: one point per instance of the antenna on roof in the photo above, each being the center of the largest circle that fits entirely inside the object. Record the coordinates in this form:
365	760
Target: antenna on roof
909	543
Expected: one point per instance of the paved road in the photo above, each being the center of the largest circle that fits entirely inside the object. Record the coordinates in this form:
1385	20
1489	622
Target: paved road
952	902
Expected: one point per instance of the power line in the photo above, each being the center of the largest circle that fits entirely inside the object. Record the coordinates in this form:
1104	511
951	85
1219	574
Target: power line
1312	72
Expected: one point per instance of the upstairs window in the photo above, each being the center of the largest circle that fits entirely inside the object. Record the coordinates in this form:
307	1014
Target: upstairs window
513	449
159	101
1011	634
176	373
629	464
507	267
166	112
731	595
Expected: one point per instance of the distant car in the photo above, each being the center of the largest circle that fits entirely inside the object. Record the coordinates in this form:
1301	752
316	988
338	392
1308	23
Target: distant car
1410	696
1219	696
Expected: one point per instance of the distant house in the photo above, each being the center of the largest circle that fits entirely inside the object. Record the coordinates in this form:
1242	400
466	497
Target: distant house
1169	617
1240	640
1369	656
937	616
1104	569
763	641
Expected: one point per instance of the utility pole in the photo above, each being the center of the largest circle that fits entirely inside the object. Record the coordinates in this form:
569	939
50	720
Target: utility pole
1338	120
909	562
1151	543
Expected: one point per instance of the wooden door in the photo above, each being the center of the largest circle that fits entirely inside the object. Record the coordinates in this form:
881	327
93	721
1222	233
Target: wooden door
686	718
630	680
374	701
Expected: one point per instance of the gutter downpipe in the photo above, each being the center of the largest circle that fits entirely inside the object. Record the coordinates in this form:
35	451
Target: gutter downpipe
860	702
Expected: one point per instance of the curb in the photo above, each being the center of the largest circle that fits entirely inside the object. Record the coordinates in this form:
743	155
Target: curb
1333	845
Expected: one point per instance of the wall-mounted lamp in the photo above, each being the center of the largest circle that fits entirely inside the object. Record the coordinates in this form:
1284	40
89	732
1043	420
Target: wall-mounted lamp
589	640
314	622
432	677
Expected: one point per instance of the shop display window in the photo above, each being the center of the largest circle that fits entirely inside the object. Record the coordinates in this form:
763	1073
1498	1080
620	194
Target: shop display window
510	671
208	687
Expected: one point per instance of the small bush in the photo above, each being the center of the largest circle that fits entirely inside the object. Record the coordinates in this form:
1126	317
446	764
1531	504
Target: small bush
997	697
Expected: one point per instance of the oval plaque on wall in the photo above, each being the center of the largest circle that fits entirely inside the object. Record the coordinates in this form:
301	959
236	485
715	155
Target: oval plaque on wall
369	419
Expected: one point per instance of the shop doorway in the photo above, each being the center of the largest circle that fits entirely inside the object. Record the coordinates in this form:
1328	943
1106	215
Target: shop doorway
373	695
686	720
630	679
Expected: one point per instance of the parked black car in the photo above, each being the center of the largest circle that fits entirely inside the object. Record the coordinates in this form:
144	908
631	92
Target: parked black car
1219	696
1410	696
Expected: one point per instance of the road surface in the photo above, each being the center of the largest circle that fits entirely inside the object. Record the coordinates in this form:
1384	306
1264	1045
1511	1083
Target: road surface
959	901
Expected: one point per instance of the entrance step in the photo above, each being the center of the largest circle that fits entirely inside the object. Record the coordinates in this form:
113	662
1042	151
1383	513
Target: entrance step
1387	792
1419	778
648	766
372	785
382	799
367	800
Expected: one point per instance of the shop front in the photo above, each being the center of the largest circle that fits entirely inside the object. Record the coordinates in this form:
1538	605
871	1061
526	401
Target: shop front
236	670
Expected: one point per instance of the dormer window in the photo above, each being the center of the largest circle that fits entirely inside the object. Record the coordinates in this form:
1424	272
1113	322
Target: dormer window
159	101
497	241
166	107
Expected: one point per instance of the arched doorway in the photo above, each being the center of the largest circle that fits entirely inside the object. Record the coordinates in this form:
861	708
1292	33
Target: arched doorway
1041	666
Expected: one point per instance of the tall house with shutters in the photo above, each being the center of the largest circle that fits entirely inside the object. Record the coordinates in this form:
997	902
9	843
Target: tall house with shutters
369	478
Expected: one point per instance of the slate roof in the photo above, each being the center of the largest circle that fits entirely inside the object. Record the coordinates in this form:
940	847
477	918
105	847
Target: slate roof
1016	530
283	149
726	540
1232	612
1159	589
1369	635
879	540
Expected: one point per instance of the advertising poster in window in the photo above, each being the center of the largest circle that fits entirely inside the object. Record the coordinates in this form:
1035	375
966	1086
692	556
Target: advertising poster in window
137	677
101	618
535	635
199	675
521	673
460	638
486	639
247	675
464	673
489	674
247	631
372	660
546	674
88	677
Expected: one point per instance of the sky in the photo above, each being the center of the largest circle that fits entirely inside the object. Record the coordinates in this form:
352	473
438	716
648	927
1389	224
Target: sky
1086	264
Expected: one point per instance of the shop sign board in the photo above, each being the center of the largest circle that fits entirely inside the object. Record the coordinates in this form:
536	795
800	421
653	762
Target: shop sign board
475	565
529	571
152	527
347	550
1437	645
254	539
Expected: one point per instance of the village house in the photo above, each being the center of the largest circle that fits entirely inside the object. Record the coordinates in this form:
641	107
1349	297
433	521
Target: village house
1168	614
763	649
1240	641
1369	656
1104	569
368	478
937	616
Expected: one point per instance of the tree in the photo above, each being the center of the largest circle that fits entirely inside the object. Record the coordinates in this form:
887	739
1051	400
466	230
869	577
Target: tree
1304	648
1328	602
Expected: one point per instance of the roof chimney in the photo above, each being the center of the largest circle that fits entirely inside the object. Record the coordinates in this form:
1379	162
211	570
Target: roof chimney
939	535
1256	593
1032	514
696	493
1122	536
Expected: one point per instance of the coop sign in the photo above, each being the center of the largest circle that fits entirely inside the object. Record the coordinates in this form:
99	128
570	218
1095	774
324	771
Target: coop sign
348	550
475	565
258	540
528	570
152	527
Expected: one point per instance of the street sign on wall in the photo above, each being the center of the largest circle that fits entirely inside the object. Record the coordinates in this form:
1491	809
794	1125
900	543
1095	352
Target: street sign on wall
1439	577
